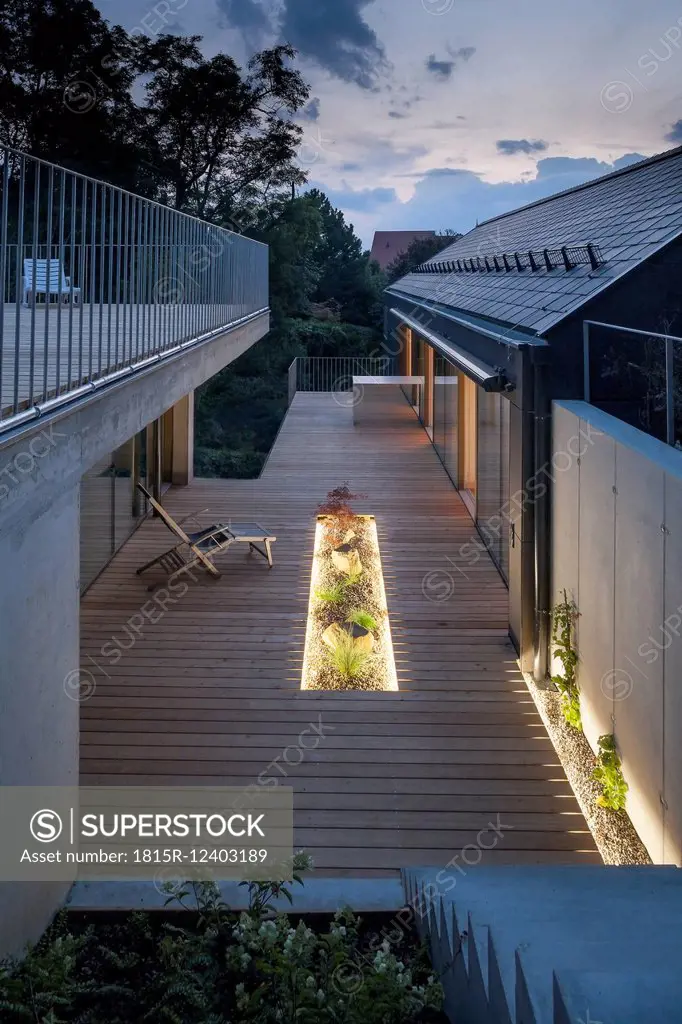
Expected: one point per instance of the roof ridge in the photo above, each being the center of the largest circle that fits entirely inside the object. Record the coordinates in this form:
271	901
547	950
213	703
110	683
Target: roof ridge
665	155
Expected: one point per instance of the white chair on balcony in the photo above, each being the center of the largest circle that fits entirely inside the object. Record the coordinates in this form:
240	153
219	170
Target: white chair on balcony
50	279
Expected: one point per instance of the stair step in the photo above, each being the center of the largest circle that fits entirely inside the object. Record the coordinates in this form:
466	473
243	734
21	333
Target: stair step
524	923
619	954
618	997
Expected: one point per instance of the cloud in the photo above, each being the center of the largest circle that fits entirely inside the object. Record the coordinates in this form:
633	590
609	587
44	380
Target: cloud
311	111
675	133
510	147
627	159
585	167
456	198
443	69
364	200
334	34
464	53
383	156
249	16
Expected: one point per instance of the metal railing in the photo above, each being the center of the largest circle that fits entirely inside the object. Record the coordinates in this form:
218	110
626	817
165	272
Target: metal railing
335	373
129	281
635	375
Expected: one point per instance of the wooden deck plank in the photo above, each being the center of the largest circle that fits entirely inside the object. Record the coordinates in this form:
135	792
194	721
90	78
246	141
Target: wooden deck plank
52	349
209	692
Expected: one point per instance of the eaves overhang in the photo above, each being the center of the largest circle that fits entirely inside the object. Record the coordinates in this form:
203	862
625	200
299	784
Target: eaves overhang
483	351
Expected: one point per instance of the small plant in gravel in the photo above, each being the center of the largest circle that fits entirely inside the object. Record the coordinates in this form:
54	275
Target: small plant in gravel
363	619
609	775
335	594
352	578
337	507
563	631
348	660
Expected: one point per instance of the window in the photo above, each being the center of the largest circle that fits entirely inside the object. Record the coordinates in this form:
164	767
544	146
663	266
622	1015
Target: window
111	507
468	442
493	476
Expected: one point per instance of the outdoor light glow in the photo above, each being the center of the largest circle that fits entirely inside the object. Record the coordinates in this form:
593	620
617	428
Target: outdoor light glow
316	652
314	583
385	625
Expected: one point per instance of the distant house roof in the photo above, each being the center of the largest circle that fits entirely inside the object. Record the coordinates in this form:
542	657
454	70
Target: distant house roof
627	216
388	245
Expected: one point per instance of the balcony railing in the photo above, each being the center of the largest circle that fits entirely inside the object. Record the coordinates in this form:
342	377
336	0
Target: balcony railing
128	282
636	376
335	373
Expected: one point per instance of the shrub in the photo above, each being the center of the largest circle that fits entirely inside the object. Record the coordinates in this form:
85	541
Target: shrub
337	507
363	619
334	594
348	660
216	967
563	628
353	577
609	775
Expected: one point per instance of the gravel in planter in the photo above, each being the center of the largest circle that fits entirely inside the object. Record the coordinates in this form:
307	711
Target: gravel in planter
364	594
613	832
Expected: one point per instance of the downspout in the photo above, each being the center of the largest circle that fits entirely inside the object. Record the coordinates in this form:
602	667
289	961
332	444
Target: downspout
542	459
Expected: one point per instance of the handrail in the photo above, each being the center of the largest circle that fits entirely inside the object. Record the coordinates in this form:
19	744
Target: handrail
335	373
131	279
660	383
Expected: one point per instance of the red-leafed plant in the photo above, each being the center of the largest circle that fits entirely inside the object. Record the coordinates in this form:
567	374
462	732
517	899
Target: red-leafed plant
337	506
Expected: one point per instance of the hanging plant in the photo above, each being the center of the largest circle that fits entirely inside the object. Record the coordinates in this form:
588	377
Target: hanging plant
609	775
564	618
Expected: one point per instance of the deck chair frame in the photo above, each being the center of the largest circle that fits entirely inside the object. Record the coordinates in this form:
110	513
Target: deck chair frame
214	539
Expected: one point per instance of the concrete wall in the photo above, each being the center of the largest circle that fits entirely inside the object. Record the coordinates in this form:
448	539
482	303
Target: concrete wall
51	456
40	473
38	713
617	549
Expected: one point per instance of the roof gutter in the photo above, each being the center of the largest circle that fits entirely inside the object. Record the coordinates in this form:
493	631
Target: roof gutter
487	377
514	336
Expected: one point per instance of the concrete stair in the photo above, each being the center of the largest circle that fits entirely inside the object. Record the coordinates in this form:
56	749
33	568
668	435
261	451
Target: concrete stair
553	945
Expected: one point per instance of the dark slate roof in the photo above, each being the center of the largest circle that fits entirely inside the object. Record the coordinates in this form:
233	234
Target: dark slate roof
629	215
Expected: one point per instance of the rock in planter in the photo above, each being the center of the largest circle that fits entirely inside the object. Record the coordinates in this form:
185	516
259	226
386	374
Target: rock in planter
346	559
362	638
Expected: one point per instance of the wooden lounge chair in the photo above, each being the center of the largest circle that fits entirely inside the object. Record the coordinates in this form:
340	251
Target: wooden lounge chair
50	279
201	548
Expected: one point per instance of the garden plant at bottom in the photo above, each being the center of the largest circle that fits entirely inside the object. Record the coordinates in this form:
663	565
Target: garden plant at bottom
209	965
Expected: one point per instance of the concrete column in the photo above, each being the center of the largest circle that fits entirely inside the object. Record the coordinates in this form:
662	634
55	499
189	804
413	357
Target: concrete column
406	363
182	472
428	388
39	683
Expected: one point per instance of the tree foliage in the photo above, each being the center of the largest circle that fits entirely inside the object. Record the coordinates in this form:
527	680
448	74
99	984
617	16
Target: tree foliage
153	114
418	251
217	140
150	113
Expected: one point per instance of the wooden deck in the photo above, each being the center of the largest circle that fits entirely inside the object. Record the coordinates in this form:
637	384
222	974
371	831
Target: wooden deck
210	693
72	345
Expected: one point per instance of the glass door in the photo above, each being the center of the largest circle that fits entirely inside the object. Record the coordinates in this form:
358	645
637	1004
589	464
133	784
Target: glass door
493	476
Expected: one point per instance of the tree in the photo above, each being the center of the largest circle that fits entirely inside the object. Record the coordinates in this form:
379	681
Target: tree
291	229
345	270
65	81
153	115
418	251
217	141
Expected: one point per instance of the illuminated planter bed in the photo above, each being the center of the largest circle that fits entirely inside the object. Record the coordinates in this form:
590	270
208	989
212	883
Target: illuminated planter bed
348	637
